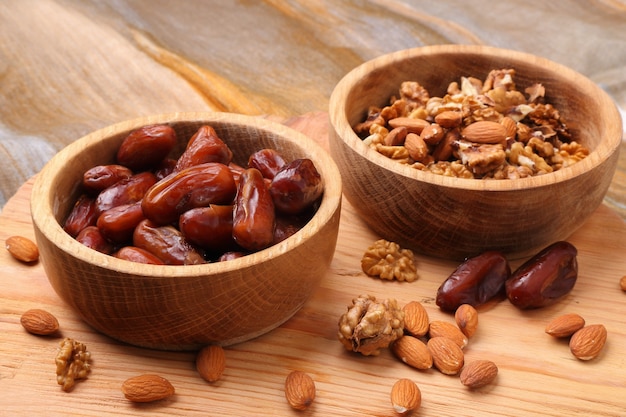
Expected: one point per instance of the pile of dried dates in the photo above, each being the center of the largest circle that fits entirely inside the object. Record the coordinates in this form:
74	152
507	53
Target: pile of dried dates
201	207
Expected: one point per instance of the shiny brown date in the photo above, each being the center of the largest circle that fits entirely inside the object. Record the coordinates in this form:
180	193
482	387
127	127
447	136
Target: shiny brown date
83	214
126	191
146	147
91	237
545	278
196	186
475	281
100	177
118	223
135	254
268	161
254	216
296	186
166	243
204	146
211	227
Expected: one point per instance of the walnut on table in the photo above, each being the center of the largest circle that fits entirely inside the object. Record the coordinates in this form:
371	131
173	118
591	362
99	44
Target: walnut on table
388	260
72	363
369	326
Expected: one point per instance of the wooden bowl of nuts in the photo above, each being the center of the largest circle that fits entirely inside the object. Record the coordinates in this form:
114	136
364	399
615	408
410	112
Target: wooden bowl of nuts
454	150
237	224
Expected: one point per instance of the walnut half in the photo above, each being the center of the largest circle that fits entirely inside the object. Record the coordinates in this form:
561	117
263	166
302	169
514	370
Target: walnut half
387	260
72	363
369	325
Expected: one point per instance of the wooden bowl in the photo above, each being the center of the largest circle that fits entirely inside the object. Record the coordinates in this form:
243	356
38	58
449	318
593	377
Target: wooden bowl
185	307
455	218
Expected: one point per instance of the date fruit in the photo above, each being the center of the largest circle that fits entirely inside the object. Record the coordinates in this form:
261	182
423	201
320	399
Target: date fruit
100	177
544	278
146	147
118	223
91	237
166	243
254	216
135	254
475	281
204	146
83	214
211	227
296	186
196	186
126	191
268	161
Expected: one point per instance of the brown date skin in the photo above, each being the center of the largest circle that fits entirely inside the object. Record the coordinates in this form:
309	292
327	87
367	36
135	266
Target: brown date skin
211	227
83	214
544	278
230	255
100	177
117	224
146	147
135	254
130	190
196	186
204	146
268	161
165	168
166	243
476	281
91	237
254	216
296	186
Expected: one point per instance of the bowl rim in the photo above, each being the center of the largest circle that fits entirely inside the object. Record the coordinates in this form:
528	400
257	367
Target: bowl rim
42	202
341	128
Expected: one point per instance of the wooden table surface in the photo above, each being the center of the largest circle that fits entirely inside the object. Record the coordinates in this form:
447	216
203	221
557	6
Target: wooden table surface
68	67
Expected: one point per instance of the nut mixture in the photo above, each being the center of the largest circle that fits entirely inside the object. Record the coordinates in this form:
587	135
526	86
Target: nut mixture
479	129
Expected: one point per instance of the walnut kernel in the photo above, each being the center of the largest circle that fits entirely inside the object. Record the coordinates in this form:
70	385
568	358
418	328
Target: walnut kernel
72	363
387	260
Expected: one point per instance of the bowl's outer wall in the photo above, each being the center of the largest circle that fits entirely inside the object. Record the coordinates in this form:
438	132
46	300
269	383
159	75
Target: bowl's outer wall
184	307
456	218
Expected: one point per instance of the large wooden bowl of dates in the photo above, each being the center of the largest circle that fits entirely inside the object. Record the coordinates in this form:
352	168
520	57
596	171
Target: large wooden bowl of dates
177	231
455	150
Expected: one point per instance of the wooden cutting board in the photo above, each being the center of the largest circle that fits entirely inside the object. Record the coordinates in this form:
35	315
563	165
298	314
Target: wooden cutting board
538	375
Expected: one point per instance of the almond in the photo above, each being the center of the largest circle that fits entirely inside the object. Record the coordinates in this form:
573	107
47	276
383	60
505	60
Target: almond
299	390
478	373
622	283
211	362
412	125
405	396
396	136
413	352
22	249
485	132
147	388
417	148
510	127
449	330
448	357
40	322
565	325
587	343
466	318
432	134
449	119
416	319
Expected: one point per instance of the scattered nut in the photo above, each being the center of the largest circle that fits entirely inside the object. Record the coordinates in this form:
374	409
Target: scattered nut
147	388
466	318
299	390
211	362
478	373
448	357
416	320
565	325
387	260
440	328
72	363
22	249
39	322
587	343
413	352
405	396
369	325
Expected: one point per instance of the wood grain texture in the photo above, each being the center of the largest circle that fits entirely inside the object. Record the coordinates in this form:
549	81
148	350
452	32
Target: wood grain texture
538	376
69	67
